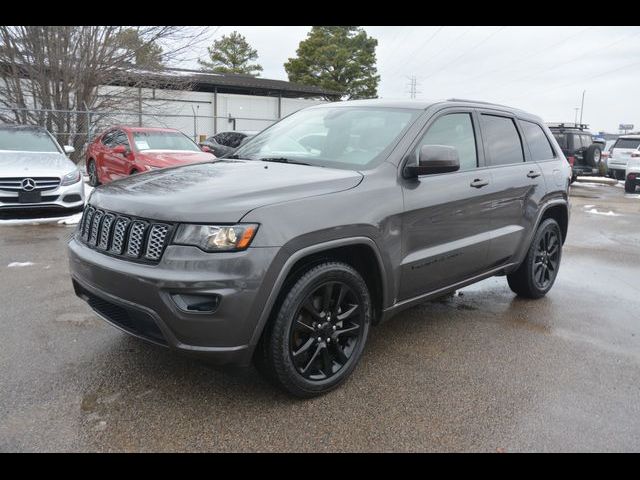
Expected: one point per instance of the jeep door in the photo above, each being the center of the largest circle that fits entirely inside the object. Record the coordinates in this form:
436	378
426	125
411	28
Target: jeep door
447	216
518	184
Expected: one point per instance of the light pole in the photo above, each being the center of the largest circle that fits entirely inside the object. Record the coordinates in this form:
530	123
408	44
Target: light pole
582	105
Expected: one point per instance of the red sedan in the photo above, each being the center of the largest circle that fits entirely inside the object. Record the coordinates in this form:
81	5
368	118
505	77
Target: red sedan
122	151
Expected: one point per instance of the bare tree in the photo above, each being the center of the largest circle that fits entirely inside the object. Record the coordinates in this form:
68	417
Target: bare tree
47	71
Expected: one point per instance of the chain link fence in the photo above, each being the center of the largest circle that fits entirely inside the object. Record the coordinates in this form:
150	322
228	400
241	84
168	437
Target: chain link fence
78	127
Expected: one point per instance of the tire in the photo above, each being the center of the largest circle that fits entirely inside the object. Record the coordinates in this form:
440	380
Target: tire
593	155
307	352
525	281
574	177
618	175
629	186
94	181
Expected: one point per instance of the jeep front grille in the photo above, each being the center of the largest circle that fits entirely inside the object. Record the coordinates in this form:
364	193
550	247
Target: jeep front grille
123	236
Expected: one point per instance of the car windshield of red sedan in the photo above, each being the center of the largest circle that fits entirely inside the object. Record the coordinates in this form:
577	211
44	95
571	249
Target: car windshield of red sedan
174	141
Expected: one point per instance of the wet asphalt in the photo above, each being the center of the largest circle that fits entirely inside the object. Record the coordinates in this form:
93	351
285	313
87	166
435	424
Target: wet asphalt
479	371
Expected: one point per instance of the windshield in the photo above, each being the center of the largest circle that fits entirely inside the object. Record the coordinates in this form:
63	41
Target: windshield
342	137
163	141
27	141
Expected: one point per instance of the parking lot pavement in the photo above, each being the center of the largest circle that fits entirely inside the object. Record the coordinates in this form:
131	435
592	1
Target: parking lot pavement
480	371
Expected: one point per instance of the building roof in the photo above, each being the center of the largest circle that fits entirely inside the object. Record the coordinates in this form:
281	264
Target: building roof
223	83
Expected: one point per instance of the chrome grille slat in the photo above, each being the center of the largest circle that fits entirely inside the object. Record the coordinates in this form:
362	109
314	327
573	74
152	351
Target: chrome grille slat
86	227
119	232
155	243
41	183
134	239
95	227
105	231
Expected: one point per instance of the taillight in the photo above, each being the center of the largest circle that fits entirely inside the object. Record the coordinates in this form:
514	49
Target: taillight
635	154
631	176
571	160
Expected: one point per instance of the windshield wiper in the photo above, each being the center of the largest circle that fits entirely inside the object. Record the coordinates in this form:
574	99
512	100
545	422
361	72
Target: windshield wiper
282	160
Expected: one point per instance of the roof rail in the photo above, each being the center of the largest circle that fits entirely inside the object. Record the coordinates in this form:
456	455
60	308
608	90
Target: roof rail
478	101
580	126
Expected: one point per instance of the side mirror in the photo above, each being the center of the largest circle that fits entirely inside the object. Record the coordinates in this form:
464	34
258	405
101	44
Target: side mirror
121	150
434	159
68	149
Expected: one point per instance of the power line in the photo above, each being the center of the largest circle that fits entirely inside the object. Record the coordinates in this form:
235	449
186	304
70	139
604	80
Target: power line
442	67
561	64
420	47
526	58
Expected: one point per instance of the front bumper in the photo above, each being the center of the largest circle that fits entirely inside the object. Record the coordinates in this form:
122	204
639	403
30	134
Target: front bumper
62	198
143	300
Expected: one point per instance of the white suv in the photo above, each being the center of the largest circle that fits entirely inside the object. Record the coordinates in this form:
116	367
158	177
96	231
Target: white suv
625	148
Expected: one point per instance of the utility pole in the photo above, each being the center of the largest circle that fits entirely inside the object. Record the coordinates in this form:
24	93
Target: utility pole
413	84
582	105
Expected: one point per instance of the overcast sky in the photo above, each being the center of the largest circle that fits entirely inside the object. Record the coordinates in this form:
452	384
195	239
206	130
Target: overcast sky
539	69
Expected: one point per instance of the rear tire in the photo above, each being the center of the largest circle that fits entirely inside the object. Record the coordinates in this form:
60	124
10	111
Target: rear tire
319	333
629	186
537	273
592	155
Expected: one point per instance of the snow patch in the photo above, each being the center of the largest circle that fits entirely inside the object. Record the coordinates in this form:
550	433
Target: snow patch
589	206
20	264
608	214
72	220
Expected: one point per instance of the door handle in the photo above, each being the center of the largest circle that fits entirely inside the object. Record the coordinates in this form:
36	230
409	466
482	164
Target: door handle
479	183
533	174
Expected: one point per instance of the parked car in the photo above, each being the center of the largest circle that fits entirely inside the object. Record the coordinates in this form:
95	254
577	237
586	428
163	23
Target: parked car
632	175
287	254
578	146
122	151
625	148
224	143
36	174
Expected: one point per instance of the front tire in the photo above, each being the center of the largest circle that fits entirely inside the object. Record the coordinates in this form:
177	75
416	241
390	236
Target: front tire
320	331
537	273
94	181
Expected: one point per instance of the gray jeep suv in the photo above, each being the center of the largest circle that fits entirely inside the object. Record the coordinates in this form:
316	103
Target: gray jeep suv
331	220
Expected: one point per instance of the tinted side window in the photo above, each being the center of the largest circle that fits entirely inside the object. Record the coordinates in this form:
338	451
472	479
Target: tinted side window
538	142
455	130
107	139
502	140
561	138
120	138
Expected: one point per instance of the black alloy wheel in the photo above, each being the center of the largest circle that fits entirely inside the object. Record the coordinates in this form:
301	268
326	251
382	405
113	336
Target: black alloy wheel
326	332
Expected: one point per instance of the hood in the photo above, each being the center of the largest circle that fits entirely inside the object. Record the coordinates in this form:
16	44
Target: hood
34	164
220	191
167	158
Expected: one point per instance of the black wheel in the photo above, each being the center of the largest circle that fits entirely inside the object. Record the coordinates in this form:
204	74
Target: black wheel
574	177
319	332
537	273
629	186
93	173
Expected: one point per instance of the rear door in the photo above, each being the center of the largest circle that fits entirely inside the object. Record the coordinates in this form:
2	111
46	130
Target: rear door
518	184
447	216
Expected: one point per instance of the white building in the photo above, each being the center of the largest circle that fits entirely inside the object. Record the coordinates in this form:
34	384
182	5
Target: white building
202	104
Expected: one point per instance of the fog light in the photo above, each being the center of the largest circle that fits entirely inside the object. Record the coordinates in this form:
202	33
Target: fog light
196	303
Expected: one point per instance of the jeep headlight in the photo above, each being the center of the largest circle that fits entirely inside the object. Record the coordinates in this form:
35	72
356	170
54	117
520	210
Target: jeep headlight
71	178
216	238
